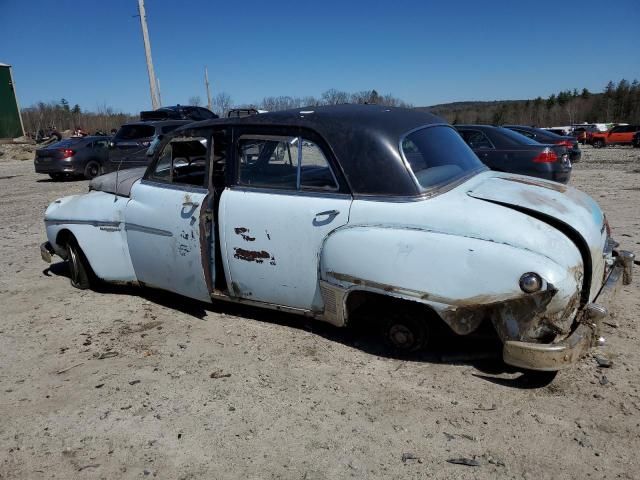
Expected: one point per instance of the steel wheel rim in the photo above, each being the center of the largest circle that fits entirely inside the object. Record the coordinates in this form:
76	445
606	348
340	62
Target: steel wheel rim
401	336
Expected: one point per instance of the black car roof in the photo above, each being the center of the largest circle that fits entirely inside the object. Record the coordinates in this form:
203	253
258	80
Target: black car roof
365	140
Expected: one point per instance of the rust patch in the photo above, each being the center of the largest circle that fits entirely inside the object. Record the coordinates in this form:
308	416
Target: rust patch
244	233
251	255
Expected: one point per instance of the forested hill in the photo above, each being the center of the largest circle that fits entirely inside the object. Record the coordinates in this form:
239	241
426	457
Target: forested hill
618	103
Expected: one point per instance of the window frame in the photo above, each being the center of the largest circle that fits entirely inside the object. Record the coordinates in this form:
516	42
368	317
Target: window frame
149	173
287	132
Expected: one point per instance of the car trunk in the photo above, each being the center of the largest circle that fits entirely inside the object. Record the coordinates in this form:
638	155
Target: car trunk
567	209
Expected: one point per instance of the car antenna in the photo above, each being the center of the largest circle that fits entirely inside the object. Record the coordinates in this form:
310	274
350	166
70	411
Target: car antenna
115	187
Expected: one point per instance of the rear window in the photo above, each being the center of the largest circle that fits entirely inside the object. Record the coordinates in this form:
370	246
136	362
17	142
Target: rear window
438	156
134	132
515	138
66	143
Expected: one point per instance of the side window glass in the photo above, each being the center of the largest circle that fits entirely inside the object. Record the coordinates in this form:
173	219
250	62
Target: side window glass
315	173
268	161
183	161
477	139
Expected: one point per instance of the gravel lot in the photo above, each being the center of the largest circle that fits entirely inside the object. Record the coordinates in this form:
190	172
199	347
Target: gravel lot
127	383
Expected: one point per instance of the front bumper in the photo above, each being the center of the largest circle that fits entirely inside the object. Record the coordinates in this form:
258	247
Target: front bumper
46	251
555	356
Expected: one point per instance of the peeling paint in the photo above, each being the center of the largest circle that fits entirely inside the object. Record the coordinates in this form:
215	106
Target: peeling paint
251	255
244	233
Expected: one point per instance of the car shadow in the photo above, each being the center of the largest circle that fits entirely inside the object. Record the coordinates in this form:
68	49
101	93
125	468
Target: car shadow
480	350
60	180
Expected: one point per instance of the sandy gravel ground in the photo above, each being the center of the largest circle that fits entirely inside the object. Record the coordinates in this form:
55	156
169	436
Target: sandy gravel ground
127	383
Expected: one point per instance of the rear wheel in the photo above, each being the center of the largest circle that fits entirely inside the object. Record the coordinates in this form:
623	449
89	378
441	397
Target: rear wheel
92	169
598	144
405	333
79	269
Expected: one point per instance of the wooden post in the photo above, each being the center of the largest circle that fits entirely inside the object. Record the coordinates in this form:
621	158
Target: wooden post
206	82
147	51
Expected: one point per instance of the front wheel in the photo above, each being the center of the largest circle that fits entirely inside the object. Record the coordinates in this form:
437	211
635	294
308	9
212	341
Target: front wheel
598	144
78	266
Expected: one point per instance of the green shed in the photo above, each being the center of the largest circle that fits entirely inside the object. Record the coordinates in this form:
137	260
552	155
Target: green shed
10	119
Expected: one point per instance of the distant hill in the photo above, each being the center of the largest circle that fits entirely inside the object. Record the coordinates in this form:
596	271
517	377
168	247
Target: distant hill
619	103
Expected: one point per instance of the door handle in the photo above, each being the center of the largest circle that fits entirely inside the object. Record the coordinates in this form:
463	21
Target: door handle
331	213
190	204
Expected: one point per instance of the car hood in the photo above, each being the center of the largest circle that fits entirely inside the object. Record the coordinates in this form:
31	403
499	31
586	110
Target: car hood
118	183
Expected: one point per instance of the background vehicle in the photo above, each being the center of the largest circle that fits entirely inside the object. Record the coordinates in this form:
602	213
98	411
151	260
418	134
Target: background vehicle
178	112
546	137
618	135
129	146
583	133
76	156
504	150
636	140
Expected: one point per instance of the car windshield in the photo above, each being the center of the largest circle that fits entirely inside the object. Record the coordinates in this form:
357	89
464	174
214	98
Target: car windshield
438	155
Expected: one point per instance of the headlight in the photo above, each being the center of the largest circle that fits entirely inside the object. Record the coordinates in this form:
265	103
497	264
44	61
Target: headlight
530	282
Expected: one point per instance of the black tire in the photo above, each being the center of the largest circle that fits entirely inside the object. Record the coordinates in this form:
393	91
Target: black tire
56	176
79	270
92	169
598	144
405	331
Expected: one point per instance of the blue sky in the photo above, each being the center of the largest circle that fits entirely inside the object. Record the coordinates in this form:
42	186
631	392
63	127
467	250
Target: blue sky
91	52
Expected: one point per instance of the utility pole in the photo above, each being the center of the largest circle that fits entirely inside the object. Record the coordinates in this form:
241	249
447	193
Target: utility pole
206	82
159	94
147	51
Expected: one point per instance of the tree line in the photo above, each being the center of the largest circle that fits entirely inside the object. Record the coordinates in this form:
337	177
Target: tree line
61	115
617	103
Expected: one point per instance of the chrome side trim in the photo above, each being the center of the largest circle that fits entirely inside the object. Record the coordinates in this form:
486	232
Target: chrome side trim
94	223
153	231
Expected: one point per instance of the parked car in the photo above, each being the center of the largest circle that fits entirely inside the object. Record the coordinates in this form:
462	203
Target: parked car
636	140
583	134
618	135
352	213
73	157
504	150
130	145
178	112
563	132
543	136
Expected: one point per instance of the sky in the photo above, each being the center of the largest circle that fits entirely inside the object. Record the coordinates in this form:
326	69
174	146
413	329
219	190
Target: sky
424	52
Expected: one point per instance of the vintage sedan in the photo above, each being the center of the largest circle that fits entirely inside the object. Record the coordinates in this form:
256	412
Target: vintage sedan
346	213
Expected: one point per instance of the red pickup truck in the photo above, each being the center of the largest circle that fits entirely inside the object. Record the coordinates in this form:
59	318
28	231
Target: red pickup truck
618	135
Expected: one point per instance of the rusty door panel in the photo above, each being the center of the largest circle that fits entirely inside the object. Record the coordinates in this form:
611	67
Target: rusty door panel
271	243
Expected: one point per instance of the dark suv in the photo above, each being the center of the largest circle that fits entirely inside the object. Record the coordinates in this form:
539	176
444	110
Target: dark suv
178	112
128	148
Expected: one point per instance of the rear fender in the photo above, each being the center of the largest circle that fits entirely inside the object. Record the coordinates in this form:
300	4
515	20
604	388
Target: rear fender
463	279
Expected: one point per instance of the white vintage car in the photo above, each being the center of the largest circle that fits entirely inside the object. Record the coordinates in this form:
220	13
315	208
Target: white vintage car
352	212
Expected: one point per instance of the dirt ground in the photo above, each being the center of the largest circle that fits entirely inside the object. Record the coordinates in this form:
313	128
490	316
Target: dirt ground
128	383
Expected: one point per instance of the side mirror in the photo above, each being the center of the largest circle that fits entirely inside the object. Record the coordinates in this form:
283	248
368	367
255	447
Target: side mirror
154	145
